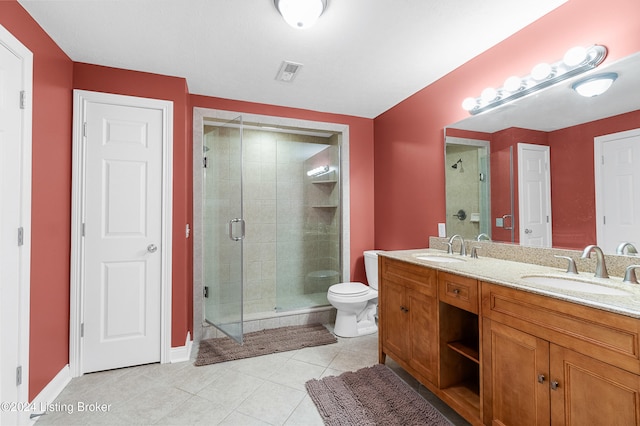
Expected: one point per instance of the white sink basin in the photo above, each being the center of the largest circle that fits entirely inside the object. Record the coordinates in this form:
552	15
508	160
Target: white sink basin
574	285
438	258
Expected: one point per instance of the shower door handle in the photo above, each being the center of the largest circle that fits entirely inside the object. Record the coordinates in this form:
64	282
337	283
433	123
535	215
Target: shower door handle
241	222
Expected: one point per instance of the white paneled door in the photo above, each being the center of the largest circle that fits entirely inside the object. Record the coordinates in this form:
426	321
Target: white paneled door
618	189
534	195
123	235
15	219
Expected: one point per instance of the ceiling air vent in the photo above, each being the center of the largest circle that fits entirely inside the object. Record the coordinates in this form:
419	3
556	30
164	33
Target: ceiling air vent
288	71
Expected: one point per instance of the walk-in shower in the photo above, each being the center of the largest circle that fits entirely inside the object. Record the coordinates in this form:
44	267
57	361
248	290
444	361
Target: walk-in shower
272	218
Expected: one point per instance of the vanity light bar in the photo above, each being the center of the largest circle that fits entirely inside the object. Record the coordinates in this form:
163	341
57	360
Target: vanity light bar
576	61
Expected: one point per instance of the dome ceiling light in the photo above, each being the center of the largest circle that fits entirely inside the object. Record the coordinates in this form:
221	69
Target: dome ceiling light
594	85
300	14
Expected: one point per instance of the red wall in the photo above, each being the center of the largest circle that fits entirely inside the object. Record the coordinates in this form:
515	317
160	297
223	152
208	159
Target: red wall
111	80
409	142
360	167
50	198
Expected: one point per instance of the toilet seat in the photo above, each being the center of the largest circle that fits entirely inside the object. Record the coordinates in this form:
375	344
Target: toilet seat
352	289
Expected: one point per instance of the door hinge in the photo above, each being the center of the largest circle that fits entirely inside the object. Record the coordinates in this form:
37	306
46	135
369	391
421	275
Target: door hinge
206	291
204	162
82	330
82	229
602	160
23	99
84	129
20	236
18	375
604	220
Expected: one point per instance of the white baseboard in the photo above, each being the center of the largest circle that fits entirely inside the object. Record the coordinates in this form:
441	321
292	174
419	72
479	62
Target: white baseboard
182	353
51	391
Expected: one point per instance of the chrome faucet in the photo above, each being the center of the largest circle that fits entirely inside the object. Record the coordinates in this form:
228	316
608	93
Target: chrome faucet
601	267
631	249
483	236
630	274
463	249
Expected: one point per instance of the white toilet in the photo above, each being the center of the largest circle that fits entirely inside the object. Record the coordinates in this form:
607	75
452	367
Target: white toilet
356	303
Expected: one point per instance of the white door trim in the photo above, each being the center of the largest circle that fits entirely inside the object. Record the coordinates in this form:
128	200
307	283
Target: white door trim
14	45
80	98
598	145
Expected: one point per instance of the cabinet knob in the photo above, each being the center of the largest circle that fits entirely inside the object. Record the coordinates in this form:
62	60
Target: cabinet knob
555	385
456	291
541	378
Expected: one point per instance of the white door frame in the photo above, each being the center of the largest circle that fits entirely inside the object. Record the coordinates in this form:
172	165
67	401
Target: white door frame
80	98
17	48
598	145
521	225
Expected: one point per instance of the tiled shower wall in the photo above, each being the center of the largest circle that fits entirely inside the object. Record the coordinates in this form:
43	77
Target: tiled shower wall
279	224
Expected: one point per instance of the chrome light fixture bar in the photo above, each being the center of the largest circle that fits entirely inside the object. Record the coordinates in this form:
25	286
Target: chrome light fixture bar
576	61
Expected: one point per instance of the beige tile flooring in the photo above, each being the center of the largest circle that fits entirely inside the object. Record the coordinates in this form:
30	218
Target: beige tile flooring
266	390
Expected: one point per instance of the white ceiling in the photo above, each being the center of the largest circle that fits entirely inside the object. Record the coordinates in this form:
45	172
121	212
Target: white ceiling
361	58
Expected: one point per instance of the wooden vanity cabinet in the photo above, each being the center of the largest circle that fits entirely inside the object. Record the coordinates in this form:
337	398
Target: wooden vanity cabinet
547	361
407	304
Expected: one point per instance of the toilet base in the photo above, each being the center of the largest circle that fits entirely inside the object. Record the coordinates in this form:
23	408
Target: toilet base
348	326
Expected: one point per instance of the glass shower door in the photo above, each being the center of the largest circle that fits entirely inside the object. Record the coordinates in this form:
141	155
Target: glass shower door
223	228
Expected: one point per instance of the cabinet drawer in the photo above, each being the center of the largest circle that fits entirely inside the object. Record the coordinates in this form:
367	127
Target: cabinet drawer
415	277
458	291
607	336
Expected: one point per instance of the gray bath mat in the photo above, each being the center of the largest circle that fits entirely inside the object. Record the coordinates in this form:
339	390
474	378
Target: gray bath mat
263	342
371	396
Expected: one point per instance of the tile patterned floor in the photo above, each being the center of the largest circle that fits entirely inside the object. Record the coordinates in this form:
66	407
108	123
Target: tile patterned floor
267	390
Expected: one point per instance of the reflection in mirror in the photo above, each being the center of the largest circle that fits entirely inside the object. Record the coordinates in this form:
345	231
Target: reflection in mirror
568	123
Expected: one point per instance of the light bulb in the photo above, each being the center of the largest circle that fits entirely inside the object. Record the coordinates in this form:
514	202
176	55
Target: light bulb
489	94
512	84
541	71
575	56
469	103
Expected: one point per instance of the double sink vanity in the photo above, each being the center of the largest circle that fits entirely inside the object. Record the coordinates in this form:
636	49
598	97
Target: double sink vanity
510	342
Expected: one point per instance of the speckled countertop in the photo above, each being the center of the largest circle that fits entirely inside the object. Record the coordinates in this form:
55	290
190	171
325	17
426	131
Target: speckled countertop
509	273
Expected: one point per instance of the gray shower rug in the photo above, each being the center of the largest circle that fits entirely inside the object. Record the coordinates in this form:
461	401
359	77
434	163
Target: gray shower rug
371	396
263	342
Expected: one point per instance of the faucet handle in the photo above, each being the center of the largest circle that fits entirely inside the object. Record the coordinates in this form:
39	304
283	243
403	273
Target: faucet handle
449	248
571	267
474	252
630	274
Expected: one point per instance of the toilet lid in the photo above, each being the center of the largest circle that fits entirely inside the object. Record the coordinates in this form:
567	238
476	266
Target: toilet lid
349	289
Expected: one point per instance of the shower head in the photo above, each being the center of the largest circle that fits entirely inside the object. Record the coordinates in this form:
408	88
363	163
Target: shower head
455	165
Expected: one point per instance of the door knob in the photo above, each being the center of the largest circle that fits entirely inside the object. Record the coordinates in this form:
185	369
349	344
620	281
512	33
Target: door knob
152	248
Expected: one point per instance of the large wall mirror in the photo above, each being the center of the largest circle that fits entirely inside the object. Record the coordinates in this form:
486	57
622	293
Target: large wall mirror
487	193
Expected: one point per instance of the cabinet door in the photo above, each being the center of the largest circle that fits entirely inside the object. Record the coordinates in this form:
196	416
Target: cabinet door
590	392
424	336
516	387
394	319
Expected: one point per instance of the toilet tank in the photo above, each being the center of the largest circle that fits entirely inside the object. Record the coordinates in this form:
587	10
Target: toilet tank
371	267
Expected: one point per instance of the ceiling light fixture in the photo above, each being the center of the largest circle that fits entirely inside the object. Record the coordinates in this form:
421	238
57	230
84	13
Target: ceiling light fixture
576	61
300	14
594	85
